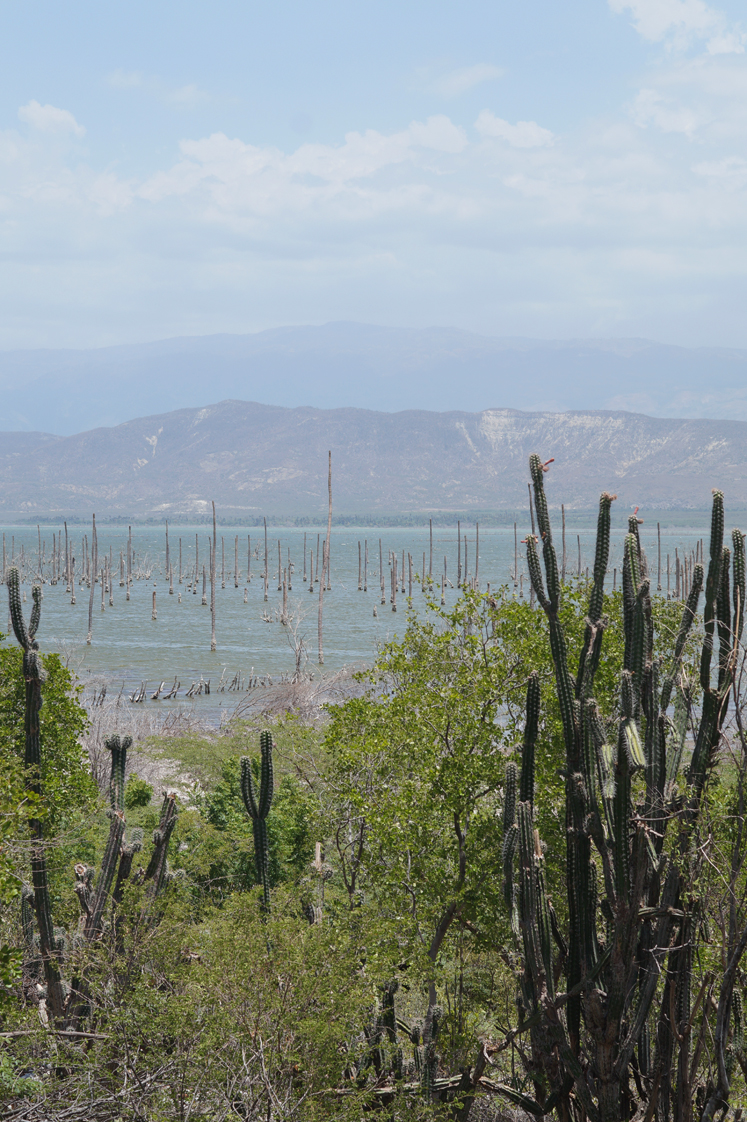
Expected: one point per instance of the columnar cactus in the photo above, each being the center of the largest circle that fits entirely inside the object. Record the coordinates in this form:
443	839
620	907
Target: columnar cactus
118	747
258	809
640	926
34	675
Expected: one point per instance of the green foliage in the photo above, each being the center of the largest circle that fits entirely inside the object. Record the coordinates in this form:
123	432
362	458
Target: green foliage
137	793
227	850
68	788
14	1083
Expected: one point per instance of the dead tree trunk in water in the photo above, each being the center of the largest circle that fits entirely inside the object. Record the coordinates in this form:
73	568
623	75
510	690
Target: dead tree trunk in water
459	554
213	645
94	560
267	562
325	560
477	555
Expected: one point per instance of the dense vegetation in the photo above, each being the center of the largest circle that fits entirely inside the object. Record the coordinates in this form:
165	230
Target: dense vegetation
418	947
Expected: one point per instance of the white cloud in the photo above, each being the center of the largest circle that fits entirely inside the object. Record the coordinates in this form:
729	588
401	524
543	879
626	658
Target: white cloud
125	79
651	108
681	21
731	172
524	134
48	118
602	229
457	82
439	134
186	97
180	97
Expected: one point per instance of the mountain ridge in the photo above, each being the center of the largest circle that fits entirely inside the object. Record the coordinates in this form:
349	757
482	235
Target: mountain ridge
345	364
253	459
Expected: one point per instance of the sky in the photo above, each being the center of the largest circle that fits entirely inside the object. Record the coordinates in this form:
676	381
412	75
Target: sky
547	170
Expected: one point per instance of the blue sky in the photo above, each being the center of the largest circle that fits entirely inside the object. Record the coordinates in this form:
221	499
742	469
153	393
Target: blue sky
546	170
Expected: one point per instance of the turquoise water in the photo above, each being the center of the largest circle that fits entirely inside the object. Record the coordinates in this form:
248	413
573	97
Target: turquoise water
129	647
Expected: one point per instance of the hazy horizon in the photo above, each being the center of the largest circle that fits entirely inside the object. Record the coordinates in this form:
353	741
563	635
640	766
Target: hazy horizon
545	172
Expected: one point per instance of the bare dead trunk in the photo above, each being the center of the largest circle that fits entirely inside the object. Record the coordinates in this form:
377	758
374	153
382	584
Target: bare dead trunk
459	554
94	562
477	555
325	561
213	645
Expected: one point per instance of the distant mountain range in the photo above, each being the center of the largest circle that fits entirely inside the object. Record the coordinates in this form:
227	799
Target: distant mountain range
363	366
262	459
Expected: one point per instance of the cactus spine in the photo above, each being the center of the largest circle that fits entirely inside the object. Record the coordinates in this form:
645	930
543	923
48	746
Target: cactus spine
258	808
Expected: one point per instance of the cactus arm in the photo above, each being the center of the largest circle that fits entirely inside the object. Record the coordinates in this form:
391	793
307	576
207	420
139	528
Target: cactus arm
509	802
531	726
630	581
679	734
106	876
266	774
534	966
129	849
535	572
510	841
590	652
16	608
688	615
723	617
737	538
713	584
36	595
247	788
156	870
27	917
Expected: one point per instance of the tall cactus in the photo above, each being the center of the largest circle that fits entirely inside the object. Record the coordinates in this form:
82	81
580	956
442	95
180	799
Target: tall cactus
641	923
258	808
34	675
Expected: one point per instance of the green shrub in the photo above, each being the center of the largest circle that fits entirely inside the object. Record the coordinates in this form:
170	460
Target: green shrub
137	792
